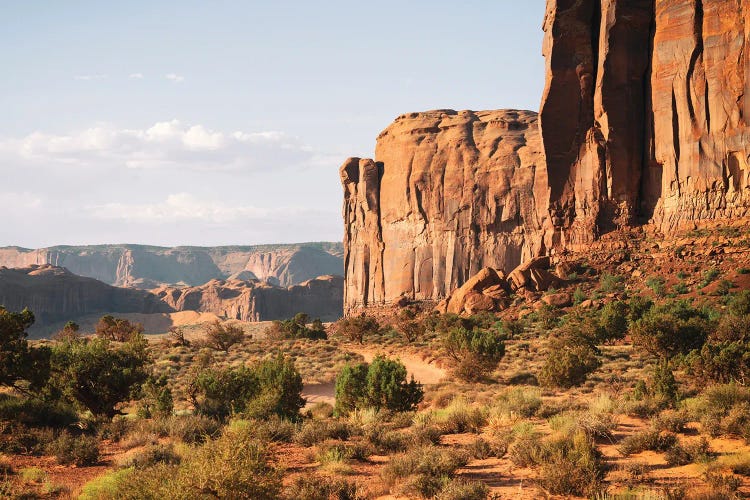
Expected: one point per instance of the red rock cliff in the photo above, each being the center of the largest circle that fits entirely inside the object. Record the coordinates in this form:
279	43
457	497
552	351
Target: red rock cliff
643	119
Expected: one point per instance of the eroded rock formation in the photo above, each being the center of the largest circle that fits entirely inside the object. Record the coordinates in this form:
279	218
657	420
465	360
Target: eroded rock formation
449	193
147	267
259	301
643	119
54	294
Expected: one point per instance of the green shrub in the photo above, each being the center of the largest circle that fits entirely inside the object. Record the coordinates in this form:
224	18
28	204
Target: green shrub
155	398
79	450
296	328
579	295
36	412
428	466
548	316
656	284
380	385
475	353
638	306
709	275
672	329
460	416
235	465
739	304
610	283
152	455
96	374
680	288
647	440
18	361
312	432
696	451
569	361
269	387
612	322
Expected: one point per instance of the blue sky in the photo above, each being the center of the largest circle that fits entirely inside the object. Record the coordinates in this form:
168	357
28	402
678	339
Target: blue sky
225	122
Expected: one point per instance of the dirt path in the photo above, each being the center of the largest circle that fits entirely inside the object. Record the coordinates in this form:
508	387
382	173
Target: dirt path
422	371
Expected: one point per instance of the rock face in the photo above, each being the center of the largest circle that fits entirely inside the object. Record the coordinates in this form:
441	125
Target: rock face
643	119
448	194
259	301
55	294
148	267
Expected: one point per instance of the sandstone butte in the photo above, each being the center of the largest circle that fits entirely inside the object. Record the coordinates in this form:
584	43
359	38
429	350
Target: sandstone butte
643	120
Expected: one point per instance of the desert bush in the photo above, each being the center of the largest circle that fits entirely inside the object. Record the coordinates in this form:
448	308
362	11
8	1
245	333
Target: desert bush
638	306
223	336
569	361
98	375
36	412
611	283
612	321
579	295
572	466
670	421
656	284
117	329
647	440
68	332
408	325
460	416
428	468
709	275
155	398
189	429
460	489
475	353
176	335
321	487
312	432
235	465
269	387
672	329
381	384
683	454
152	455
355	328
79	450
547	316
296	328
723	408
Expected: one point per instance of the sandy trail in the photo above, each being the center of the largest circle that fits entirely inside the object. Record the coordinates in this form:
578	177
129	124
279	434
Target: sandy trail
421	370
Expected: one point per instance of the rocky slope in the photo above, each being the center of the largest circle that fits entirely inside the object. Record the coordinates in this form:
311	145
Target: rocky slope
259	301
148	267
643	120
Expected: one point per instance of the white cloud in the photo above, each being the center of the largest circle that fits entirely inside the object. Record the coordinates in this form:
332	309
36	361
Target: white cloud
90	77
168	144
174	77
136	76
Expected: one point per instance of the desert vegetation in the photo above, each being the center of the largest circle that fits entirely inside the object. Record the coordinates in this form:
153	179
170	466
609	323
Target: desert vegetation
633	390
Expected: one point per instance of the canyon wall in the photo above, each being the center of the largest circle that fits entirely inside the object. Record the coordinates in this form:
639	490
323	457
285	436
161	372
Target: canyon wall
321	297
643	120
54	294
147	267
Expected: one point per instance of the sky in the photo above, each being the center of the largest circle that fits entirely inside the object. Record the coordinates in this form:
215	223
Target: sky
225	122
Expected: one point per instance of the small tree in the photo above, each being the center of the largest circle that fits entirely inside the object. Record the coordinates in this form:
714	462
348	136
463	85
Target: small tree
222	337
97	375
18	361
270	387
177	336
155	398
117	329
296	328
613	322
569	361
672	329
381	385
475	353
68	332
409	325
357	327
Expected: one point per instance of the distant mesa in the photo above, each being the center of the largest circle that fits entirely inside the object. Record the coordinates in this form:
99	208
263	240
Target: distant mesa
146	267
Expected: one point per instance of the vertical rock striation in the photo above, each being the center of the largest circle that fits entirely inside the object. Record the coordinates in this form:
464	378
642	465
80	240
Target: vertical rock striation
643	119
